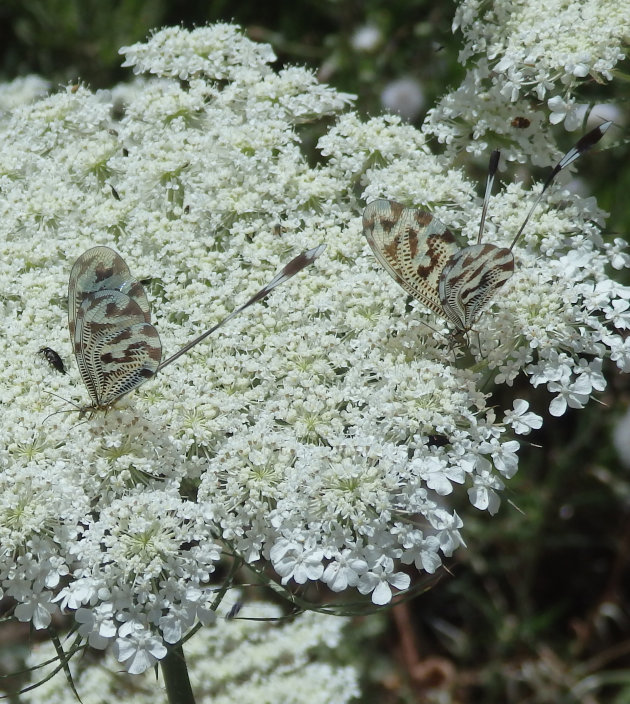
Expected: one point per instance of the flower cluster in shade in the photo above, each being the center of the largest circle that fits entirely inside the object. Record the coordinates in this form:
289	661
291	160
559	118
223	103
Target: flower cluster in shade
250	659
324	432
526	63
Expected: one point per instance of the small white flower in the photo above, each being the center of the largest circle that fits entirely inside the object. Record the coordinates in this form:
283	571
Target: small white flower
503	456
438	475
344	571
37	608
448	526
422	552
97	625
380	579
522	420
566	111
139	649
176	623
572	394
483	495
590	374
293	560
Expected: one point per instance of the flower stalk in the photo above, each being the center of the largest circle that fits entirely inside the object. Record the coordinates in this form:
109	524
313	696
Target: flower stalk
176	679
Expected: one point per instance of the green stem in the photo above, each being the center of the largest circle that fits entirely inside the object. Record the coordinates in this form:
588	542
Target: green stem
175	673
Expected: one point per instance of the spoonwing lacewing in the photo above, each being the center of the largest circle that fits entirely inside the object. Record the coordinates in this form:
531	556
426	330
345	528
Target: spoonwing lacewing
116	347
422	254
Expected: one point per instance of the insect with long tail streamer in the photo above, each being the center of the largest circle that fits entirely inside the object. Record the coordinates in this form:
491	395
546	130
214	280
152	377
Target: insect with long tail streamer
109	318
423	256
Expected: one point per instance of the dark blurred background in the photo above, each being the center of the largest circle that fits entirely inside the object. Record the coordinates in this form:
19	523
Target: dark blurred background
536	609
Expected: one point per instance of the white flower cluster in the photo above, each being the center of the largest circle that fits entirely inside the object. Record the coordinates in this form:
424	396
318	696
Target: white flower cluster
22	90
214	53
248	660
522	53
322	431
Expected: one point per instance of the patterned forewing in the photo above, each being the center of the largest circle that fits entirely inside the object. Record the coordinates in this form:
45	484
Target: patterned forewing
116	350
412	246
470	279
98	269
127	358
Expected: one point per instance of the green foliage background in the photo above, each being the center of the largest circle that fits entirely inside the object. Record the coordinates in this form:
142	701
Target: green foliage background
537	608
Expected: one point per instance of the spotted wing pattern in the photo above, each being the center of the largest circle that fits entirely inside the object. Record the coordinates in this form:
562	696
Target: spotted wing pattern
422	255
101	268
412	246
109	318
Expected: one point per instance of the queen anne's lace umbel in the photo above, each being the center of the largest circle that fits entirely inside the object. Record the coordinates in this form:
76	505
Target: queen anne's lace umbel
323	431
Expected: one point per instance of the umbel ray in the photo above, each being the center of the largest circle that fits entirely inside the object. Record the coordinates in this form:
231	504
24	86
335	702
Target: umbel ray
109	318
423	256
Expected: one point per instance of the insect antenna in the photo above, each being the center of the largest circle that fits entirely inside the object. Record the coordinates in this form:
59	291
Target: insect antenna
63	410
492	169
582	145
291	269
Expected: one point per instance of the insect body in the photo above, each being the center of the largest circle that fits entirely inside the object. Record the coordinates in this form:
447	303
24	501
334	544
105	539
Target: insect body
521	123
53	359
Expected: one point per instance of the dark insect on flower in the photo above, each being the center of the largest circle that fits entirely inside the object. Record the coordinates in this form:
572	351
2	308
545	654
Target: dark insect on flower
53	359
438	440
521	123
114	192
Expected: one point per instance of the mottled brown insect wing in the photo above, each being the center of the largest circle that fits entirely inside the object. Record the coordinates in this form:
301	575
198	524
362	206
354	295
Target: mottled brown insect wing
470	279
98	269
116	350
412	245
109	319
